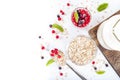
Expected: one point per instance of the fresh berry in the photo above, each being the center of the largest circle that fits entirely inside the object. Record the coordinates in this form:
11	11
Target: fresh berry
58	16
42	47
50	26
68	4
93	62
39	36
95	68
42	57
52	54
59	56
52	51
59	19
106	65
57	36
61	74
60	68
62	12
56	52
80	17
56	49
53	31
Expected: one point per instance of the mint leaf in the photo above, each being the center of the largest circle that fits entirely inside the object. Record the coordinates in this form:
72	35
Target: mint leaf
102	7
76	16
58	27
100	72
50	62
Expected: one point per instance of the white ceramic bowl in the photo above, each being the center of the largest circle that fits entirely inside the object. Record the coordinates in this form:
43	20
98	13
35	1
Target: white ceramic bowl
100	37
105	34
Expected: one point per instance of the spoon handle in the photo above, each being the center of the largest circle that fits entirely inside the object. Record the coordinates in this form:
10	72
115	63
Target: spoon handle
83	78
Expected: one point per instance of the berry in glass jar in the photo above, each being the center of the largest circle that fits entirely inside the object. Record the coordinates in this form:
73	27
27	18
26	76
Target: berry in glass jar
80	17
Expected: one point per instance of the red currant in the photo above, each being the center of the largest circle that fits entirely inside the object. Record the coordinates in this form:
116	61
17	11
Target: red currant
53	31
57	36
61	74
93	62
59	56
56	52
62	12
68	4
42	47
59	19
52	54
56	49
52	51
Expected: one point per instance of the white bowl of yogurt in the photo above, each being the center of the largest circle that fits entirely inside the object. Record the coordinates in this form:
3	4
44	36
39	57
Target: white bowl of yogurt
108	33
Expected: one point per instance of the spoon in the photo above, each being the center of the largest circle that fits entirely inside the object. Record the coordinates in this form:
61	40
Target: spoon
65	63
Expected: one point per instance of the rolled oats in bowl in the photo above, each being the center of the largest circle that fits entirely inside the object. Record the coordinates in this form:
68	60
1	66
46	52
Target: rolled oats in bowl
82	50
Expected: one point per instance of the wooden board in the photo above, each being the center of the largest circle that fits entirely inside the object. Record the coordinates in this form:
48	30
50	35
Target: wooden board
113	57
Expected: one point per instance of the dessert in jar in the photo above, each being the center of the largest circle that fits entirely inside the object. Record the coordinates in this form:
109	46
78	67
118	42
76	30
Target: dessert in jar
81	17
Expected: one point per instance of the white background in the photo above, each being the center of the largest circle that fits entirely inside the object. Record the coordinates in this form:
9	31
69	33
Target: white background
21	22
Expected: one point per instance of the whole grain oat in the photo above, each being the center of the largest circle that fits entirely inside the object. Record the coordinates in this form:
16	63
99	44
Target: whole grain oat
82	50
61	61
